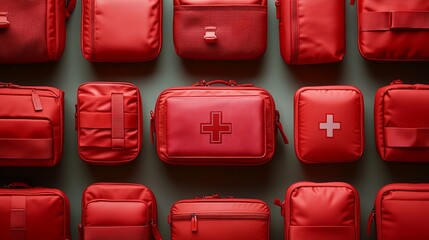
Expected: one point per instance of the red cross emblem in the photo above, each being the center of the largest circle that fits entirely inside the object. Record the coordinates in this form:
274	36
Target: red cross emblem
216	127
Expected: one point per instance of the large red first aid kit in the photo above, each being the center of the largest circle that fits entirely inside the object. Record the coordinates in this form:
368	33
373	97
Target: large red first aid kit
322	211
109	122
31	125
121	30
393	30
312	31
204	124
329	124
401	211
113	211
28	213
33	31
401	122
220	29
214	217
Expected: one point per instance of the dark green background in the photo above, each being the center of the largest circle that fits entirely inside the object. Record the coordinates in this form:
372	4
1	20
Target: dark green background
171	183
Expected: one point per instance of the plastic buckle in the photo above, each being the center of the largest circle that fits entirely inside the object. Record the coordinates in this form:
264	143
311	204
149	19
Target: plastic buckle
210	36
4	23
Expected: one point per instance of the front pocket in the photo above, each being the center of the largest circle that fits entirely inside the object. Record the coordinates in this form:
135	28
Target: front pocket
220	32
322	232
26	139
117	233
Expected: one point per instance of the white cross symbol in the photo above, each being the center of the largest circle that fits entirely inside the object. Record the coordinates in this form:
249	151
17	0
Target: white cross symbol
329	125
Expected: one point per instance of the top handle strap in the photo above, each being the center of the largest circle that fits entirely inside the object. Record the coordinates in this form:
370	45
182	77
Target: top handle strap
230	83
70	7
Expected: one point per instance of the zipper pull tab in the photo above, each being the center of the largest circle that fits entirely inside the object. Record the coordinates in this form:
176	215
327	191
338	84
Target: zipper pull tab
155	231
152	126
397	81
194	223
278	9
370	220
280	128
352	2
280	204
37	103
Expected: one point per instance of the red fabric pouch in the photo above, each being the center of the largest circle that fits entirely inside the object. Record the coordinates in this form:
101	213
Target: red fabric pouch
329	124
119	211
393	30
109	122
33	31
401	212
322	211
121	30
401	122
213	217
220	29
31	125
34	213
208	125
311	31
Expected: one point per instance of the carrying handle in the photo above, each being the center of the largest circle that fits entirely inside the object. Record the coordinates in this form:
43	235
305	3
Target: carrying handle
7	85
70	7
230	83
16	185
214	196
280	204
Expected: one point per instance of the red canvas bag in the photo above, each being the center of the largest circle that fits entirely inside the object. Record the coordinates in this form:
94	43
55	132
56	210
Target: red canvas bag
220	29
31	125
109	122
393	30
34	213
322	211
400	212
121	30
214	217
119	211
33	31
401	122
212	125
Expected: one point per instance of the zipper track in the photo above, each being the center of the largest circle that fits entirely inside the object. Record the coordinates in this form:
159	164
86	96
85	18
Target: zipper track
249	216
294	32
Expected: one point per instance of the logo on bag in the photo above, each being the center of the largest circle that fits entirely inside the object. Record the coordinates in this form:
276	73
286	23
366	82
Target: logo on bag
329	125
216	128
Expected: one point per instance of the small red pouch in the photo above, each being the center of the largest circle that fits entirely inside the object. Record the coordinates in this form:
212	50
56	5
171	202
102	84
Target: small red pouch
109	122
121	30
401	122
312	31
329	124
212	125
323	211
33	31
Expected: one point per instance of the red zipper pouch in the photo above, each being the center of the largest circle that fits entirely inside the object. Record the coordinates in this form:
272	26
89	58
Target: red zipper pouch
109	122
393	30
33	31
34	213
119	211
31	125
401	122
213	217
220	29
329	124
311	31
401	212
212	125
322	211
121	30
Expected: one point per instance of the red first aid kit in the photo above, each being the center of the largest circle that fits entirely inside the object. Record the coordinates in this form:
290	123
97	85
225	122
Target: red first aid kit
33	31
311	31
322	211
401	212
121	30
329	124
216	125
31	125
109	122
220	29
401	122
214	217
33	213
393	30
113	211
